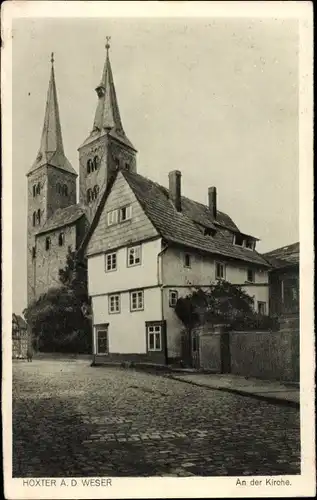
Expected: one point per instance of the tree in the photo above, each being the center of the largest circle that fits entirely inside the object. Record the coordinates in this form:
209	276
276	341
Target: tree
56	318
223	303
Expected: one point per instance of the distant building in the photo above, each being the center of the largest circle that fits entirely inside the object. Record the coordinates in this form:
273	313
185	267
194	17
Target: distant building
284	280
20	337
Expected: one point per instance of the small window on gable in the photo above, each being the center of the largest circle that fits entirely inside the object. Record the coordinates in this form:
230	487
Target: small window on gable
220	271
187	260
125	213
250	275
47	243
173	298
61	239
112	217
238	240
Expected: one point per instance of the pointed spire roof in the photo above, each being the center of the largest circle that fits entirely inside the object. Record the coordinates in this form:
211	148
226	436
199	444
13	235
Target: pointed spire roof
51	150
107	116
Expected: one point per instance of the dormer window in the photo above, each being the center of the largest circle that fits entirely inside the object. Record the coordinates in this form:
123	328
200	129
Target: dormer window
238	240
250	244
100	91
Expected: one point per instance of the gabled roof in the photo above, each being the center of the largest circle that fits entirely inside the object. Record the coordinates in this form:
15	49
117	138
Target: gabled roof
62	217
283	256
21	323
51	150
182	227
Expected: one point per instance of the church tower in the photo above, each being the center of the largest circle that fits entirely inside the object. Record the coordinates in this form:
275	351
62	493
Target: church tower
51	181
107	148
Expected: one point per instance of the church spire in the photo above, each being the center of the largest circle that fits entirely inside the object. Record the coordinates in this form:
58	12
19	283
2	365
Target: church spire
107	116
51	148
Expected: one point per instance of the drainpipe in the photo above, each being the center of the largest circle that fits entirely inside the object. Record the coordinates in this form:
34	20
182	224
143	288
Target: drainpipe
160	282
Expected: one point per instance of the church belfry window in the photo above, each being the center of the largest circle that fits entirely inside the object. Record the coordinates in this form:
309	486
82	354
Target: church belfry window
34	191
65	190
33	253
38	188
61	239
96	163
117	162
58	188
47	243
95	192
39	216
89	166
89	195
34	218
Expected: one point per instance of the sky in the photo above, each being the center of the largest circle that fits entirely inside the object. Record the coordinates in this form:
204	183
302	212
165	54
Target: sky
214	98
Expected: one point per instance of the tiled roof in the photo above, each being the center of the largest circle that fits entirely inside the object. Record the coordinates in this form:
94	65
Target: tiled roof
63	217
283	256
181	227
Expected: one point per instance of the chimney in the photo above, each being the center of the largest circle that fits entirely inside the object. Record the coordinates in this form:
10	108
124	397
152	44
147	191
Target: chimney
175	189
212	201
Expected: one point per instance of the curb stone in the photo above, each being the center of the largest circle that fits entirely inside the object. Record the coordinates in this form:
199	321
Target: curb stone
263	397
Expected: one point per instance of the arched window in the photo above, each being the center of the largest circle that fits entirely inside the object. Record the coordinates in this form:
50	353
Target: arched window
34	191
39	216
47	243
34	218
65	190
33	252
38	188
96	162
95	192
117	162
89	166
61	239
58	188
89	195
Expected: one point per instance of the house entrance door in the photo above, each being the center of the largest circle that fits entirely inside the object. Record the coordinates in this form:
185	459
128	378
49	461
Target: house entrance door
195	350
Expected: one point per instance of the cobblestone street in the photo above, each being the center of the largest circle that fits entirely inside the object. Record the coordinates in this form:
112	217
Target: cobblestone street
70	419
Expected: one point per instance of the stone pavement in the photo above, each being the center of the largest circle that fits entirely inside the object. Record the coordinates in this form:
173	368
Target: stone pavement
70	419
262	389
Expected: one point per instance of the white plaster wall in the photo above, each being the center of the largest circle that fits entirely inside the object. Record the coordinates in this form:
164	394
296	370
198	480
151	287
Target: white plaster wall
124	278
127	329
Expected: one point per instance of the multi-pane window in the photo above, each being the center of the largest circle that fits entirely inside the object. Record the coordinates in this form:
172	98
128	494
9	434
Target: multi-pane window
187	260
262	308
125	213
102	340
250	275
112	217
134	256
154	334
111	261
220	271
173	297
136	300
114	303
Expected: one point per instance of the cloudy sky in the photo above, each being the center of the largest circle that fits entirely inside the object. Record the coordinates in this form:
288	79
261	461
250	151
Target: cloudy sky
214	98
